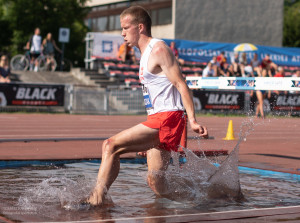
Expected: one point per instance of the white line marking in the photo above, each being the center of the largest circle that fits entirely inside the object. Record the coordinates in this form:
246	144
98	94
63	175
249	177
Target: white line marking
184	215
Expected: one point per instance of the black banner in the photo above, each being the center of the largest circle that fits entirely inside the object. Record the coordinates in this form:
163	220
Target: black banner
279	102
218	100
31	95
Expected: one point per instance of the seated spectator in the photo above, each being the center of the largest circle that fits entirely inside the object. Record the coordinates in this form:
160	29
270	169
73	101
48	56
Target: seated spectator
236	65
221	59
228	70
209	71
280	72
176	54
246	70
255	63
215	65
223	72
126	54
297	83
4	70
296	74
267	65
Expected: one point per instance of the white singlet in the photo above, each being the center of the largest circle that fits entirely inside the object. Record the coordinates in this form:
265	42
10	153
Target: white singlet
160	95
36	44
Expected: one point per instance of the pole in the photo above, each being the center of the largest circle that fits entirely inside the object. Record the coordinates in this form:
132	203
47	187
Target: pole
62	56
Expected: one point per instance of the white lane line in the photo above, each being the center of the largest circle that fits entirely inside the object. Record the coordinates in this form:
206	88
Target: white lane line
201	214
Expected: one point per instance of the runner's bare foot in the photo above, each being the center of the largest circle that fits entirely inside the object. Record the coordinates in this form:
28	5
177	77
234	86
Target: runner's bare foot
95	199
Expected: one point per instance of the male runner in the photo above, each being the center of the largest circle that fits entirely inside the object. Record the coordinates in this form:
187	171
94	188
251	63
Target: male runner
164	88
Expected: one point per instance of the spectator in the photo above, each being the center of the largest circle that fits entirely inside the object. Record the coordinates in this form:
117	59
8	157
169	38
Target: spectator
243	63
126	53
297	83
255	63
280	72
209	71
227	71
296	74
221	59
235	63
267	65
49	47
215	65
34	45
175	52
4	70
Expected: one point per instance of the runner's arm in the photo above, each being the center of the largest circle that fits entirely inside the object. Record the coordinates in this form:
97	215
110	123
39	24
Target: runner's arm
168	63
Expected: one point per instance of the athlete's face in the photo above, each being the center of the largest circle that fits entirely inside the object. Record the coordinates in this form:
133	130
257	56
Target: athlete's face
130	31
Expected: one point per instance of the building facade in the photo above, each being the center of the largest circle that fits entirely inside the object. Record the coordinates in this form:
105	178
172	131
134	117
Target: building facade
230	21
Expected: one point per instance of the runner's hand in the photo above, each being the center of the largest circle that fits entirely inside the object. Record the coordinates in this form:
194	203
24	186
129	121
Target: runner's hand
201	130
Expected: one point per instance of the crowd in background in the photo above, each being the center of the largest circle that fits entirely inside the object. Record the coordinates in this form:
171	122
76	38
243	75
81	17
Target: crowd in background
238	66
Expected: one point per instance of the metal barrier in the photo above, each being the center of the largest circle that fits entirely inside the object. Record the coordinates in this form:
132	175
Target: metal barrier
94	100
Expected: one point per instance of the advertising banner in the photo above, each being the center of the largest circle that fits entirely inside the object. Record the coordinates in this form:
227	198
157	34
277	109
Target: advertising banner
245	83
31	95
218	100
205	51
106	45
279	102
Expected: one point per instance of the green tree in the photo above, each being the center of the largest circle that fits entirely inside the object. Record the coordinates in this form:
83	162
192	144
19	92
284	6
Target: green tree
6	30
291	28
49	16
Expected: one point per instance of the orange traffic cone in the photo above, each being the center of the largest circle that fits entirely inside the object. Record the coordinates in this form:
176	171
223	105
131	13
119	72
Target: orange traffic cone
230	133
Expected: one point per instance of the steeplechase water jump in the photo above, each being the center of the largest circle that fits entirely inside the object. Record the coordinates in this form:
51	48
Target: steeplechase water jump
160	162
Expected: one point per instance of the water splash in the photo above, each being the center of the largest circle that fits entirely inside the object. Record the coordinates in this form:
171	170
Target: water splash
200	180
56	190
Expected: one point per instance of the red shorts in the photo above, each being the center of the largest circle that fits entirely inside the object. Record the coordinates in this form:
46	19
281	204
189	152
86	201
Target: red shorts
170	125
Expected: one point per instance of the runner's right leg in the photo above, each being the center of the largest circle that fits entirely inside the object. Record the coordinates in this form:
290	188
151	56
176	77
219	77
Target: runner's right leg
136	139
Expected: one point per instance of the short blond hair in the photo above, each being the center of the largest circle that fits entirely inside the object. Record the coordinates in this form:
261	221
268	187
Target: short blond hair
139	15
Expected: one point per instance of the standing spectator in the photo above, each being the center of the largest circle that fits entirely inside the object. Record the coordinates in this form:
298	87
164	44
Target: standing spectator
209	71
49	47
34	45
267	65
175	52
126	53
4	70
255	63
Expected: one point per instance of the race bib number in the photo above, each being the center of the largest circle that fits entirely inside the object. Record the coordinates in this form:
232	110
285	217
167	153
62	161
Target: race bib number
147	100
